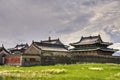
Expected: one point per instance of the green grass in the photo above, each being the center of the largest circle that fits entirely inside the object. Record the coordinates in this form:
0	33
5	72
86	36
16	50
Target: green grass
86	71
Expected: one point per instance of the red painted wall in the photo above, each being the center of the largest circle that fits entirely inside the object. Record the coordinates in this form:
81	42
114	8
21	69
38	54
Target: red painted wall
12	60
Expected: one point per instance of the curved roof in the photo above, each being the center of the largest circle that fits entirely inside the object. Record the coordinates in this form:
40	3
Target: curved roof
90	40
51	45
2	48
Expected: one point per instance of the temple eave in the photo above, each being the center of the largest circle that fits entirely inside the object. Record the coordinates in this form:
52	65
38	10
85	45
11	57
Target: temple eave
106	50
91	44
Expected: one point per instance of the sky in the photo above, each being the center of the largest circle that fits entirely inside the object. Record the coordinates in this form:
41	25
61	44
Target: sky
22	21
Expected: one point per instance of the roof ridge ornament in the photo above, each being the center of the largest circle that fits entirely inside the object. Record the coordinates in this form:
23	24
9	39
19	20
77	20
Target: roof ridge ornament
2	45
49	38
58	38
33	41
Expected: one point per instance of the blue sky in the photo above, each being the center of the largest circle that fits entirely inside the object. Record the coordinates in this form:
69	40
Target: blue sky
22	21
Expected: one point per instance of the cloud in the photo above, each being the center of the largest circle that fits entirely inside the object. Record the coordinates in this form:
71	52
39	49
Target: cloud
105	16
22	21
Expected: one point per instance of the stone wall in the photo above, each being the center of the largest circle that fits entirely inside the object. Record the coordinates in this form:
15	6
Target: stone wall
30	60
49	58
94	59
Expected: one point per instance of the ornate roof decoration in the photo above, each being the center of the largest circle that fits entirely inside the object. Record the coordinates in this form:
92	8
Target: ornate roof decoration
51	45
3	49
19	47
90	40
95	41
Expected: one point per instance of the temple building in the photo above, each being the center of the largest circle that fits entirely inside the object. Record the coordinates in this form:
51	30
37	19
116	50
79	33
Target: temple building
45	52
92	45
3	54
53	51
19	49
50	45
15	57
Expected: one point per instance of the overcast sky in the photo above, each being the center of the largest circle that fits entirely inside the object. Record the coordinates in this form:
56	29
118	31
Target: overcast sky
22	21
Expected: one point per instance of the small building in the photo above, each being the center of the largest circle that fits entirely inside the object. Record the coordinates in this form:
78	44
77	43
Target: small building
92	45
19	48
15	57
45	52
3	54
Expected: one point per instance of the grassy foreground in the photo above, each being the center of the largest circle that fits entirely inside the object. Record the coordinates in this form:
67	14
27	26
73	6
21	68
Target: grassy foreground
88	71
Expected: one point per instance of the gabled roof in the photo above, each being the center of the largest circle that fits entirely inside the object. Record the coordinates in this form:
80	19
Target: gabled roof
51	45
90	40
3	49
53	41
19	47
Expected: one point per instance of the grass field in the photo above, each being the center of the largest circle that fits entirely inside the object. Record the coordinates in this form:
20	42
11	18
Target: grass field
88	71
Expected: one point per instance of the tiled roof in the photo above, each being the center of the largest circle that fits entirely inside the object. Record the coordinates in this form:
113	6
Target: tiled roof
53	41
94	49
109	49
21	46
48	48
51	45
2	48
90	40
